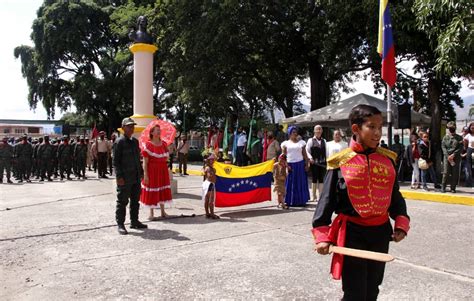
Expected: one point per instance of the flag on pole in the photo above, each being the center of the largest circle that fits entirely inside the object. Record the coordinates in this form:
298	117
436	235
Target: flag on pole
386	47
95	132
237	186
225	143
249	137
234	144
265	146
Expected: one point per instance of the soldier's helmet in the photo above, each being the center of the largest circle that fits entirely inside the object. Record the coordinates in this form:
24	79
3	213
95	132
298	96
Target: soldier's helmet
451	124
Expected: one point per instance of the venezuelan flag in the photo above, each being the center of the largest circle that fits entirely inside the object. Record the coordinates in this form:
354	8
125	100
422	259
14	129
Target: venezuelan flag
385	46
237	186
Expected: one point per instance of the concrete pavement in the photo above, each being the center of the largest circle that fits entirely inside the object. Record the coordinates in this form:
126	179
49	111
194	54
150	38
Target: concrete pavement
58	241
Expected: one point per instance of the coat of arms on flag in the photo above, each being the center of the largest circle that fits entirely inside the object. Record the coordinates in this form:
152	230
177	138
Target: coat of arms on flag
237	186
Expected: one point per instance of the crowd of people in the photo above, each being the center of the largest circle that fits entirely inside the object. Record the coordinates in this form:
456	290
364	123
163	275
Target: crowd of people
24	159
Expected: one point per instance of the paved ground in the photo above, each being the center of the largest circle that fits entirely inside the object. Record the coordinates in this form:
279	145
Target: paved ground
58	241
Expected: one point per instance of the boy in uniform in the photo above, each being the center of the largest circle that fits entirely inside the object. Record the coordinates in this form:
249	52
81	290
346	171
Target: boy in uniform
361	188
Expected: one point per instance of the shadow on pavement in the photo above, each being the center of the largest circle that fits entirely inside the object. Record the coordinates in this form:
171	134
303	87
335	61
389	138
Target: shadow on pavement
200	220
253	213
156	234
188	196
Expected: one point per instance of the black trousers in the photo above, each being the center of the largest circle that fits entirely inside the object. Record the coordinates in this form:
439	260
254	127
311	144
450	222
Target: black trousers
124	194
361	277
317	173
24	167
6	166
170	162
65	165
102	164
240	156
182	162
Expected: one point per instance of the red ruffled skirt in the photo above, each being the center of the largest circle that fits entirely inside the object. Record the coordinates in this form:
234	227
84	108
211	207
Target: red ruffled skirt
158	190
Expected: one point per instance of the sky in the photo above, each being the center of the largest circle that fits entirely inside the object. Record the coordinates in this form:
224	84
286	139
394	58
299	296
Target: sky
16	18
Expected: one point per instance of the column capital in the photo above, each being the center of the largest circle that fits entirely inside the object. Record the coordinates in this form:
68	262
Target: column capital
142	47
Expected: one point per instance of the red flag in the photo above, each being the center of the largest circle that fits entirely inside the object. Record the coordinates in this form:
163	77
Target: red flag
265	147
95	132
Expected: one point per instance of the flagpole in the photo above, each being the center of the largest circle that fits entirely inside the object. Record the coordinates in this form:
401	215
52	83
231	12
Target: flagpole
389	115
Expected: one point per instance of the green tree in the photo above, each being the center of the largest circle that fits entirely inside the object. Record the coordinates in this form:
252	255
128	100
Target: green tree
450	26
77	60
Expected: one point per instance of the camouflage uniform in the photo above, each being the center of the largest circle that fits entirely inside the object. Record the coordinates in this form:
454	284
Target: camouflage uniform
80	154
65	159
6	155
23	153
451	145
46	156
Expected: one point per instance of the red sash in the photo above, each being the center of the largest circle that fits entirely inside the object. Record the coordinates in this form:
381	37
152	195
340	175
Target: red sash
337	235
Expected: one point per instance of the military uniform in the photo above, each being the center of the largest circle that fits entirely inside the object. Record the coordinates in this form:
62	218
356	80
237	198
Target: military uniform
80	155
452	144
129	170
6	156
46	157
36	162
361	188
23	154
65	159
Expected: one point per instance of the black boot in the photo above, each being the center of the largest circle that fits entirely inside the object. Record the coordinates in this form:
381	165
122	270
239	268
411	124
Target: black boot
138	225
122	230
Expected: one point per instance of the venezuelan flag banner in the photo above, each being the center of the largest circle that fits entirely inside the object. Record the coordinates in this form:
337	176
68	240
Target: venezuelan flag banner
237	186
386	47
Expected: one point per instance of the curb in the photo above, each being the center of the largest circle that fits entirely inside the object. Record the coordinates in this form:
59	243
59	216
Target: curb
190	172
439	197
407	194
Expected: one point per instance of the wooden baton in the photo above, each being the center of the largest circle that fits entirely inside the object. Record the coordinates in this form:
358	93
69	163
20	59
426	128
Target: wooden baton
384	257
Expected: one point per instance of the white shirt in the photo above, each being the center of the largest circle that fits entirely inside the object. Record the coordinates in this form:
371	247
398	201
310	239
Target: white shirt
294	151
470	140
333	147
242	140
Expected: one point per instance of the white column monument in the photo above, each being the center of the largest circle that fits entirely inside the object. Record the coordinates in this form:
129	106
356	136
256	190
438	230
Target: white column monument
143	51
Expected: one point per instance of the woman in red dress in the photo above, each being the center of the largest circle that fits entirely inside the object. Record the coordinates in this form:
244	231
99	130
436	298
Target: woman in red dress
156	188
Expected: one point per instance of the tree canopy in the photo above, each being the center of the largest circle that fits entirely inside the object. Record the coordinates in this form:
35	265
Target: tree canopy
241	58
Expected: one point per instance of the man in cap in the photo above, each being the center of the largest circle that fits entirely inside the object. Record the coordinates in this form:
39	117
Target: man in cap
452	146
102	148
23	152
128	169
183	150
80	155
65	158
46	157
6	156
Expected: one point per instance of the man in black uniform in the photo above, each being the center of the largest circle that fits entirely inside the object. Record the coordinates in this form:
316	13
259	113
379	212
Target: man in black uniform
129	172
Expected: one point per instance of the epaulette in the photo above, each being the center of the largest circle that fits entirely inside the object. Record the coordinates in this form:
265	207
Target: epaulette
387	153
340	158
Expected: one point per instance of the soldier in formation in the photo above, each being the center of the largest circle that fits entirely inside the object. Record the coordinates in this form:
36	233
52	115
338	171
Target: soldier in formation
6	157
